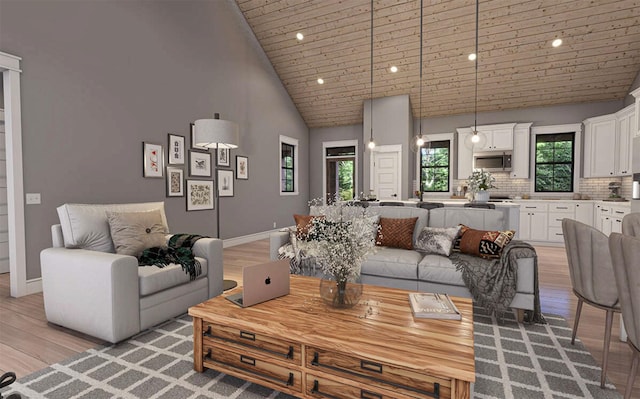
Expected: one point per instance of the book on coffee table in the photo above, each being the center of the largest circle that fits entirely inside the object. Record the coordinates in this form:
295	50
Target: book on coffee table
426	305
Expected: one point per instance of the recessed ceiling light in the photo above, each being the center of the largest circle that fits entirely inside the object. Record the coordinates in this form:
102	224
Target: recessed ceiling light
320	81
556	43
472	57
299	36
393	69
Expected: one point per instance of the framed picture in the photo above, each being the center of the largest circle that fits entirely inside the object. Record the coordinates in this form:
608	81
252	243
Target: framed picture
175	182
176	149
200	195
199	164
242	167
153	160
222	157
193	139
225	183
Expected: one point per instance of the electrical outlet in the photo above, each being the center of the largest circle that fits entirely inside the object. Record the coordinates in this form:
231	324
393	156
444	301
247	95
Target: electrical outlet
33	198
274	225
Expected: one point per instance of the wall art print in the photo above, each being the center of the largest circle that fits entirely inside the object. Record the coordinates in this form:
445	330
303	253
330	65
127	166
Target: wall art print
225	183
176	149
175	182
200	195
153	160
222	157
242	167
199	164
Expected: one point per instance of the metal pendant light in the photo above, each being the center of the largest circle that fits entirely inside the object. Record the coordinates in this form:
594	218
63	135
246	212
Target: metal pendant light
419	139
475	138
372	144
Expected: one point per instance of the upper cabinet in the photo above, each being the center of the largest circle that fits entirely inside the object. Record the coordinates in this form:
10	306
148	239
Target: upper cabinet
520	158
607	144
636	119
498	137
495	138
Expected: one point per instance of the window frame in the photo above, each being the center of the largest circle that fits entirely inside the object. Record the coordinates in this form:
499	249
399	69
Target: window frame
294	143
340	143
418	170
577	157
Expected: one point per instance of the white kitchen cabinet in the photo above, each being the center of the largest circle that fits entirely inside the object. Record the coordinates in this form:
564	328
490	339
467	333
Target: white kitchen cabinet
600	146
584	213
624	136
636	125
521	151
465	156
533	221
499	137
609	218
557	212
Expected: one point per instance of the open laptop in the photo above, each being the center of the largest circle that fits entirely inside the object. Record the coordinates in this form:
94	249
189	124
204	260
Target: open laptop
262	283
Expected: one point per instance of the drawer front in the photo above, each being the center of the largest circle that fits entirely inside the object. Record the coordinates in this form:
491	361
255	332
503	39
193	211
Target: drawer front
406	381
283	350
256	367
532	207
320	387
562	207
604	210
619	213
555	219
555	234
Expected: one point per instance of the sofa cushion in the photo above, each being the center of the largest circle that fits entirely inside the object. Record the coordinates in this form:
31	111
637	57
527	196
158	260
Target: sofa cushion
133	232
152	279
303	224
483	243
393	263
439	269
396	233
437	240
86	226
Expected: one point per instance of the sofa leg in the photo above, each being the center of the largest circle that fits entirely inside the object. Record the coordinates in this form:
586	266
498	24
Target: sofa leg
519	315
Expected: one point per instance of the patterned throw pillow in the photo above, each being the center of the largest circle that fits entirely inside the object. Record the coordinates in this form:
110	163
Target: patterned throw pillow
437	240
396	233
303	223
483	243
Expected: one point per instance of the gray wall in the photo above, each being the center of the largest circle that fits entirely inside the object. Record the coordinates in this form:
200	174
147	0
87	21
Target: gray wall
99	78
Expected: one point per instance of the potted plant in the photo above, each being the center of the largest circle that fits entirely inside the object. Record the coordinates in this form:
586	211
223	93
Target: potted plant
479	183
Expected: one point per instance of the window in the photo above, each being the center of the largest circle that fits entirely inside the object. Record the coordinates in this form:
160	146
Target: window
288	166
435	159
340	172
554	162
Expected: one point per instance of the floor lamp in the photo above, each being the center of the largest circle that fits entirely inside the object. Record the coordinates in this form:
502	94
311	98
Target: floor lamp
217	133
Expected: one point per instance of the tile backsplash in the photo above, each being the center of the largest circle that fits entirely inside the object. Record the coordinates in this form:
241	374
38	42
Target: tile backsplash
595	188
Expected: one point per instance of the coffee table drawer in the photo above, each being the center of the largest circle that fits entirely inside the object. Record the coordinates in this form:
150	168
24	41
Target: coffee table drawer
320	387
409	382
283	350
258	368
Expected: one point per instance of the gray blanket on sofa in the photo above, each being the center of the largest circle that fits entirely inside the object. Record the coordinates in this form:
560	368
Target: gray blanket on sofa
492	282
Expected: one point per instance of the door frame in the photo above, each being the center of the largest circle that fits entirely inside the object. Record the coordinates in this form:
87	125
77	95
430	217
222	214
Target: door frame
340	143
397	148
10	68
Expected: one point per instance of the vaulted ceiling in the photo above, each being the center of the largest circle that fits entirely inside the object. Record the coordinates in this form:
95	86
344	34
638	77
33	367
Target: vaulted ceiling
517	66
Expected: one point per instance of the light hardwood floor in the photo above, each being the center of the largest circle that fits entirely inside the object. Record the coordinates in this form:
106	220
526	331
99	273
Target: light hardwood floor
28	343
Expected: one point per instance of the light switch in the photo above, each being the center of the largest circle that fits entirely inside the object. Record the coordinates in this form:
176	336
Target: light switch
33	198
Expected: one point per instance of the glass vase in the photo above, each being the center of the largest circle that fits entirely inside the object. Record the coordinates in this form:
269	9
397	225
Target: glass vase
340	294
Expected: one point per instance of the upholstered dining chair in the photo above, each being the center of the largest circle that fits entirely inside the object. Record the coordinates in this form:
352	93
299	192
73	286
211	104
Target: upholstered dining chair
631	224
391	203
592	278
625	252
430	205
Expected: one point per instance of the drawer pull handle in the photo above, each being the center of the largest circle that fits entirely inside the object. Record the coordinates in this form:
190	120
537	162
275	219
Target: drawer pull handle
208	356
562	207
558	219
248	360
530	207
371	366
207	333
558	234
619	212
369	395
247	335
316	391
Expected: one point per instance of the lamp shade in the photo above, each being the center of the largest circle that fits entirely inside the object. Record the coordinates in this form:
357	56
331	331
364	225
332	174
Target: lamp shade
216	133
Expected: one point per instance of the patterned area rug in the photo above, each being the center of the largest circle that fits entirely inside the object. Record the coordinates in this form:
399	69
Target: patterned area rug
512	361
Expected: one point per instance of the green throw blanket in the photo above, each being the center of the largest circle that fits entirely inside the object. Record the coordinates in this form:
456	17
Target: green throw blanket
492	282
178	251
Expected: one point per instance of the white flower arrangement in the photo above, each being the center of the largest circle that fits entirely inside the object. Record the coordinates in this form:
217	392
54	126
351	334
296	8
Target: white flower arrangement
480	180
342	239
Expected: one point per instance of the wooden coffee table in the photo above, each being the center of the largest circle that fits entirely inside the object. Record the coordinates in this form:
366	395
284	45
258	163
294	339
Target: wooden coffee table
298	345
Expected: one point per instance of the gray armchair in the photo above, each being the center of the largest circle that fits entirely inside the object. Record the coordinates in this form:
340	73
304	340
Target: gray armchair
591	275
631	224
625	252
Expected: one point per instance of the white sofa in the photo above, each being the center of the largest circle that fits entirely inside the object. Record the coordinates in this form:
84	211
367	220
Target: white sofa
89	288
411	270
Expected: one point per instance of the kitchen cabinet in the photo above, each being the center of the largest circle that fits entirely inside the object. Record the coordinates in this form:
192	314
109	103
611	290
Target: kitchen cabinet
624	136
607	147
521	151
584	213
499	137
636	118
465	156
533	221
557	212
609	218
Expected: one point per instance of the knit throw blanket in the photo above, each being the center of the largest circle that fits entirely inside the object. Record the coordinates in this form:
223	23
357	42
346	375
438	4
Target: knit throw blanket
178	251
492	282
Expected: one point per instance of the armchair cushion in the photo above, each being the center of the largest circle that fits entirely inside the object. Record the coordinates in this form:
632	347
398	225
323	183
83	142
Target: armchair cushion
133	232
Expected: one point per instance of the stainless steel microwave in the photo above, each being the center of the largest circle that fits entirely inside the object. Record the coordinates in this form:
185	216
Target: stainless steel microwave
494	161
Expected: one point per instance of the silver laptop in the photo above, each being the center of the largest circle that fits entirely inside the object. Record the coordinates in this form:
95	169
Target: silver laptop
262	283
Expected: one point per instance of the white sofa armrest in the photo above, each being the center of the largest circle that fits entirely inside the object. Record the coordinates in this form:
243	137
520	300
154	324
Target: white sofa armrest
211	250
92	292
276	240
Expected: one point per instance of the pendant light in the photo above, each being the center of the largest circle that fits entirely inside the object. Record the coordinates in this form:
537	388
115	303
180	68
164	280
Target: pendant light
372	144
475	138
420	140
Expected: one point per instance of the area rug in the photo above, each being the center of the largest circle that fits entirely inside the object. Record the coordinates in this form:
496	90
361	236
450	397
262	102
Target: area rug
512	361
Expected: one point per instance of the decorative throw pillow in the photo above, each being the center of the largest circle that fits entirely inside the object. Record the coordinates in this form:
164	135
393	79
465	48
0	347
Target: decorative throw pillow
437	240
133	232
483	243
396	233
303	224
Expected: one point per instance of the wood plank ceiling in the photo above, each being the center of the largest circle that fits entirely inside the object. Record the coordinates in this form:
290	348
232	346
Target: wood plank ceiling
517	66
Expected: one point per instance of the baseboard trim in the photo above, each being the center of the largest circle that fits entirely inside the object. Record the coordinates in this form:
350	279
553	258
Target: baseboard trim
34	286
232	242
